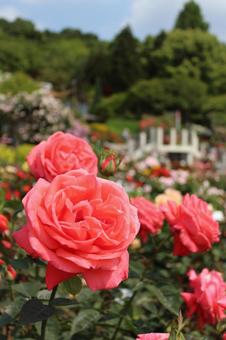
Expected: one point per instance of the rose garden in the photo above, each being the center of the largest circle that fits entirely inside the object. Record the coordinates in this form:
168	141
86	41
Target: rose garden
112	183
80	258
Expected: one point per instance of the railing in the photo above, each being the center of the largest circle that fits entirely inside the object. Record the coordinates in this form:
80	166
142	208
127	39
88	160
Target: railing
184	142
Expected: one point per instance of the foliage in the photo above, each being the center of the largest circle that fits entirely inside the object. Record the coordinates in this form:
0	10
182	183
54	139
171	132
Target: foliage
125	63
110	106
191	17
148	96
193	53
18	82
95	71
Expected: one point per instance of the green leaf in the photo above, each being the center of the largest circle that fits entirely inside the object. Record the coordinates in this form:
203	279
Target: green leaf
34	310
27	288
14	308
63	302
73	285
21	263
84	320
5	319
162	299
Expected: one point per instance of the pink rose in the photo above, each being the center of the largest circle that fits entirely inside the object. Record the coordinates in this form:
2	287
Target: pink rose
61	153
192	224
153	336
150	217
208	297
80	224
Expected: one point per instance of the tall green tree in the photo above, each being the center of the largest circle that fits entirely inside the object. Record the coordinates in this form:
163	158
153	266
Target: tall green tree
125	60
191	17
192	53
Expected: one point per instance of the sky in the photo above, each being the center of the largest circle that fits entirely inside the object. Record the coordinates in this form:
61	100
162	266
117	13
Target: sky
107	17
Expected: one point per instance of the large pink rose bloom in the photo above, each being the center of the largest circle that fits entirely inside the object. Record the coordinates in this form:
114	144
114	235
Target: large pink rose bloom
59	154
80	224
208	297
192	224
150	217
153	336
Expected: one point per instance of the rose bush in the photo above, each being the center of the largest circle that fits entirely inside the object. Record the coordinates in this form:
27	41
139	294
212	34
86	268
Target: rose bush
80	224
77	229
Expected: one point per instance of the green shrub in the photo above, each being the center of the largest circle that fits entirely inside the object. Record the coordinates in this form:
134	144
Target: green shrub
19	82
111	106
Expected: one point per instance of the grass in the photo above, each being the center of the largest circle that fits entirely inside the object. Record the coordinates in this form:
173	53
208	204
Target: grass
117	125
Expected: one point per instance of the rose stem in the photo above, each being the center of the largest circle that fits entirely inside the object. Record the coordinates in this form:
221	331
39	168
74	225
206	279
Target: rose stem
44	322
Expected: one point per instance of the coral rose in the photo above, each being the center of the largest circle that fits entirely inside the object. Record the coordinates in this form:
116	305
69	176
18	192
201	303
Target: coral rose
153	336
150	217
192	224
4	223
208	297
80	224
59	154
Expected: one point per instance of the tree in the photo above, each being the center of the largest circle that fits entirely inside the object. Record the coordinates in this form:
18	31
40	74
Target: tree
191	17
125	60
187	95
148	96
191	53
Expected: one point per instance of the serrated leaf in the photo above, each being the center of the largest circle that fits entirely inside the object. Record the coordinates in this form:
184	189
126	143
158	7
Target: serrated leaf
28	289
162	299
84	320
34	310
73	285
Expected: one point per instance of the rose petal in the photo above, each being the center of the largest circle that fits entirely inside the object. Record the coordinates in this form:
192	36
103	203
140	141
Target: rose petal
108	279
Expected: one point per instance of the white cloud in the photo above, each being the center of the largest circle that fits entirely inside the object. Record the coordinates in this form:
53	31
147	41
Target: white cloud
150	16
9	12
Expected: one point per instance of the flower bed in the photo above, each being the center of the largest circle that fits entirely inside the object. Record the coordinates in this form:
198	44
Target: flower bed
98	252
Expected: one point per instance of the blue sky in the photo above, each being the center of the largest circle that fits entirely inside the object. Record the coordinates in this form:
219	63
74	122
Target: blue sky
107	17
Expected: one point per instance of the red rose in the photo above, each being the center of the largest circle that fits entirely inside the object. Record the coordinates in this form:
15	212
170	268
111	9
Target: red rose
150	217
11	273
192	224
61	153
208	297
4	223
153	336
80	224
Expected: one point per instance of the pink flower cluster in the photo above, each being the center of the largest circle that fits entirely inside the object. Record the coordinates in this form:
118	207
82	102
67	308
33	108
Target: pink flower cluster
77	222
191	222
